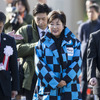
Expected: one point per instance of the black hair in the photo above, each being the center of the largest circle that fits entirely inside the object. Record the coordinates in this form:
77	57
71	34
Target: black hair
41	8
24	3
2	17
93	1
94	6
57	14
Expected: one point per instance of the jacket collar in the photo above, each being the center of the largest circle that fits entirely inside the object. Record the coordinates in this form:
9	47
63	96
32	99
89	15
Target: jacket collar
3	43
50	43
66	40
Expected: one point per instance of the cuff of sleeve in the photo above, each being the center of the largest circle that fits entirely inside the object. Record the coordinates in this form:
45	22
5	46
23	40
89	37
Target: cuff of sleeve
67	79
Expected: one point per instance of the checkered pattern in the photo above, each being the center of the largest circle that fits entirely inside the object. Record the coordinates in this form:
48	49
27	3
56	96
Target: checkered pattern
50	72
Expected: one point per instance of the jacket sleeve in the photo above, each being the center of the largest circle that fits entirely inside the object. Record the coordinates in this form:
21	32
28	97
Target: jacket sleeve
14	67
80	33
23	47
73	69
91	58
44	73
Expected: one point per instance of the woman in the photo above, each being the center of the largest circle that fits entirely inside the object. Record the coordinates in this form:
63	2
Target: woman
20	16
58	62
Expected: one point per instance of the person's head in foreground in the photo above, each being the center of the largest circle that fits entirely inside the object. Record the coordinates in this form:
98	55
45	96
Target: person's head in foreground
2	21
56	22
40	14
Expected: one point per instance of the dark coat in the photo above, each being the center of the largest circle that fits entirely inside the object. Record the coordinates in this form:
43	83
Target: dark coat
84	32
93	59
9	80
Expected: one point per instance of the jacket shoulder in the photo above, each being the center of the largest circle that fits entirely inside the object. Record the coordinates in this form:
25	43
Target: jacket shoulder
23	27
22	30
84	24
29	16
7	36
95	34
70	35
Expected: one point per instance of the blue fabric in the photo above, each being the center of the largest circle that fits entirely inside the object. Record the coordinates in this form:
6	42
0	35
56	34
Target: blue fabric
50	72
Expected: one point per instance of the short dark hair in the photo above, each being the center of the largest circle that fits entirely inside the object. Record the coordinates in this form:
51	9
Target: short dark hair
93	1
57	14
95	7
2	17
41	8
24	2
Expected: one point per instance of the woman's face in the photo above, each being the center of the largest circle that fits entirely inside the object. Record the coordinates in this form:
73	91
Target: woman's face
56	27
20	7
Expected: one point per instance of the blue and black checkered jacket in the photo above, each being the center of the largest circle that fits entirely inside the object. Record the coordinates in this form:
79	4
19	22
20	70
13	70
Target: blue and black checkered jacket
50	72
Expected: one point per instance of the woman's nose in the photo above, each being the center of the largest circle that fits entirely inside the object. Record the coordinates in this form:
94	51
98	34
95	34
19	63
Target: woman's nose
55	26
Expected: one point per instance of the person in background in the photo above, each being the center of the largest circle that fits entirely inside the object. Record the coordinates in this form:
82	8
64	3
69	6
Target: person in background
93	63
8	1
84	31
89	2
42	1
57	62
9	80
19	16
26	49
9	4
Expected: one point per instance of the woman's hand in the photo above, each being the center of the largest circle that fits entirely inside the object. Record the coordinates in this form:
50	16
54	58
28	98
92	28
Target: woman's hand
62	83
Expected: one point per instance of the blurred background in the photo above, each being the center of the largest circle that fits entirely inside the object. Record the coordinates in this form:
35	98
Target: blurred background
74	10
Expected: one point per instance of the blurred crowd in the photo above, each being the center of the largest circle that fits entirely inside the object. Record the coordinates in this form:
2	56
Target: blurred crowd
46	60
